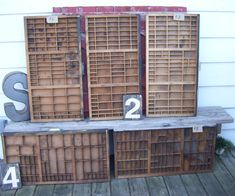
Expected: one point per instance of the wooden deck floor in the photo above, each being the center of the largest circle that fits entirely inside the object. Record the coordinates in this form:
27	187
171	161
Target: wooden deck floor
220	182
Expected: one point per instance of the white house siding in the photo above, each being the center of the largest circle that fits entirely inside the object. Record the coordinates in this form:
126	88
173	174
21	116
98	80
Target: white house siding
217	44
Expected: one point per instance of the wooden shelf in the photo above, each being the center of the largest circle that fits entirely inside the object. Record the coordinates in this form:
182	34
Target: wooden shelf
54	68
113	63
171	59
206	116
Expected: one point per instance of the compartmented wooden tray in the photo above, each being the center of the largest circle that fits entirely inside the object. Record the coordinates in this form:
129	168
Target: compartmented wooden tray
54	68
59	157
164	152
171	65
112	63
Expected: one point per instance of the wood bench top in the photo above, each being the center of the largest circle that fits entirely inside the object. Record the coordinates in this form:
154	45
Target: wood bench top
206	116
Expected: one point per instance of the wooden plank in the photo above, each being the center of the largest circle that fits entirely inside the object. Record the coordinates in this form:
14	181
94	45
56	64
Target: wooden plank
39	158
101	189
88	70
157	186
147	67
7	193
175	186
206	116
108	150
44	190
120	187
233	153
229	162
211	184
54	87
193	185
82	189
231	112
138	187
47	8
26	190
224	177
63	189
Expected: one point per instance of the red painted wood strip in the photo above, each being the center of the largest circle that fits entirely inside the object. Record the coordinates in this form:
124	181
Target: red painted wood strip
116	9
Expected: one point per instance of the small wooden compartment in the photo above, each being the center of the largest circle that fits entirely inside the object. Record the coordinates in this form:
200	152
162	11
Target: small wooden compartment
112	63
54	68
59	157
56	104
163	152
171	65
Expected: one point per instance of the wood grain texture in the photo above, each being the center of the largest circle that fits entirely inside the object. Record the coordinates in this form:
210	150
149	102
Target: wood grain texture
120	187
56	158
229	162
175	186
192	185
233	153
138	187
44	190
112	63
26	190
157	186
101	189
45	7
82	189
220	182
53	62
224	178
206	116
63	189
211	184
171	65
231	112
7	193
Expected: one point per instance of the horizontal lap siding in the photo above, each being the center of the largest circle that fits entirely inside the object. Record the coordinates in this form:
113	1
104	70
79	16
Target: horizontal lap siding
218	28
217	44
217	62
12	54
217	50
216	74
216	96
